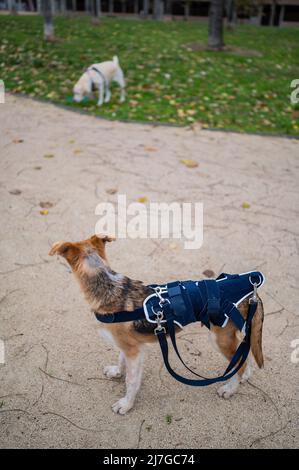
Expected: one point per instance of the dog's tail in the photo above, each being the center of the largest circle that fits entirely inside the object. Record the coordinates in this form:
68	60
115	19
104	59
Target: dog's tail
115	60
256	334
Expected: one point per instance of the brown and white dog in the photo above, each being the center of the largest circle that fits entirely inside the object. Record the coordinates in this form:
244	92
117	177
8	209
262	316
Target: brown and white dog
107	291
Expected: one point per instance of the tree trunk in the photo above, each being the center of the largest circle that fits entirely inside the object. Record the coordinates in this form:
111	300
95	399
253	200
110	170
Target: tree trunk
145	8
158	10
12	6
281	15
186	10
215	40
136	7
272	15
260	14
30	5
111	6
87	6
46	8
96	9
63	6
74	5
231	12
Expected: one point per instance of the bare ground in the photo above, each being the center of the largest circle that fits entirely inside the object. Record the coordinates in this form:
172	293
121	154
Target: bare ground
53	392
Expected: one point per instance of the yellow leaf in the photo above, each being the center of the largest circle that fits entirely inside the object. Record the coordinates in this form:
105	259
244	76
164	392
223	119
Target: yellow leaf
44	212
173	246
142	199
49	155
190	163
245	205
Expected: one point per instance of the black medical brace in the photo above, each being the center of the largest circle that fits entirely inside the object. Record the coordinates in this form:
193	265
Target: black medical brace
211	301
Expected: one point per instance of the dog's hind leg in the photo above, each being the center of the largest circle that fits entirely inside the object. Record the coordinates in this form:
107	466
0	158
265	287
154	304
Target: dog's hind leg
120	80
107	95
118	370
101	94
134	367
227	342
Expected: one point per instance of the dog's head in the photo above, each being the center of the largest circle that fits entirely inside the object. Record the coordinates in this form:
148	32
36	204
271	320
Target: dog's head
88	255
78	93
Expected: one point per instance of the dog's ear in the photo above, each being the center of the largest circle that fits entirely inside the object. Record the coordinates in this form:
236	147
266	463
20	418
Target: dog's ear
99	243
103	238
61	248
70	251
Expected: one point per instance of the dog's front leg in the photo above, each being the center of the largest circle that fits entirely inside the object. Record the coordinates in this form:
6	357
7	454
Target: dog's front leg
101	94
118	370
134	367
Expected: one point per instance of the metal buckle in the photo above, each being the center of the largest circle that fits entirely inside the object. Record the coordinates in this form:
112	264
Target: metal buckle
254	298
158	293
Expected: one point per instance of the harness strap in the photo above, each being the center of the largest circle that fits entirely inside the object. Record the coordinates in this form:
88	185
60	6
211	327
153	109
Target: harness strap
213	302
101	75
235	364
232	313
120	317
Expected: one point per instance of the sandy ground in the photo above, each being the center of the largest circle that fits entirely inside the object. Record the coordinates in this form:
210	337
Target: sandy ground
53	392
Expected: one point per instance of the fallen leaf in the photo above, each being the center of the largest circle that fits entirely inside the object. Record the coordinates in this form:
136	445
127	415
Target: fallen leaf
49	155
173	246
209	273
44	212
18	141
150	149
46	204
142	199
77	151
111	191
15	192
245	205
190	163
37	167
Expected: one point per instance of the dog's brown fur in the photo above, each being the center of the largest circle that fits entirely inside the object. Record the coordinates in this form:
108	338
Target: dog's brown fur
107	292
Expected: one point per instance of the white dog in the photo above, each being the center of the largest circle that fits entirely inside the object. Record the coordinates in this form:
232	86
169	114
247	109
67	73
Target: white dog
98	77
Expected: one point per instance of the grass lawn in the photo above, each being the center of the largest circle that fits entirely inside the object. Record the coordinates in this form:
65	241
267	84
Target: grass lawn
168	79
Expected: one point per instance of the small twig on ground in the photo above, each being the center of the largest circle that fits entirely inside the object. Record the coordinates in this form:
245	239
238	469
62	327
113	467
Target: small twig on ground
59	378
268	435
71	422
139	434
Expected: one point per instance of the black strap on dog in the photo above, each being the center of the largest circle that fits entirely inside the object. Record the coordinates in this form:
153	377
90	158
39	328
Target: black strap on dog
235	364
95	69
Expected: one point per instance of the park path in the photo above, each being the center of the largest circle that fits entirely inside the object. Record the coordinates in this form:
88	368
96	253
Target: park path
53	392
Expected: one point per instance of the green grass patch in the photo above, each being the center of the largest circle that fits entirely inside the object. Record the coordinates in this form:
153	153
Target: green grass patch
167	81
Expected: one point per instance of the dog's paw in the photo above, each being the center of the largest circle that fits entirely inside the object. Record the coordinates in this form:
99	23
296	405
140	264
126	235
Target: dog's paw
247	374
227	390
112	372
122	406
